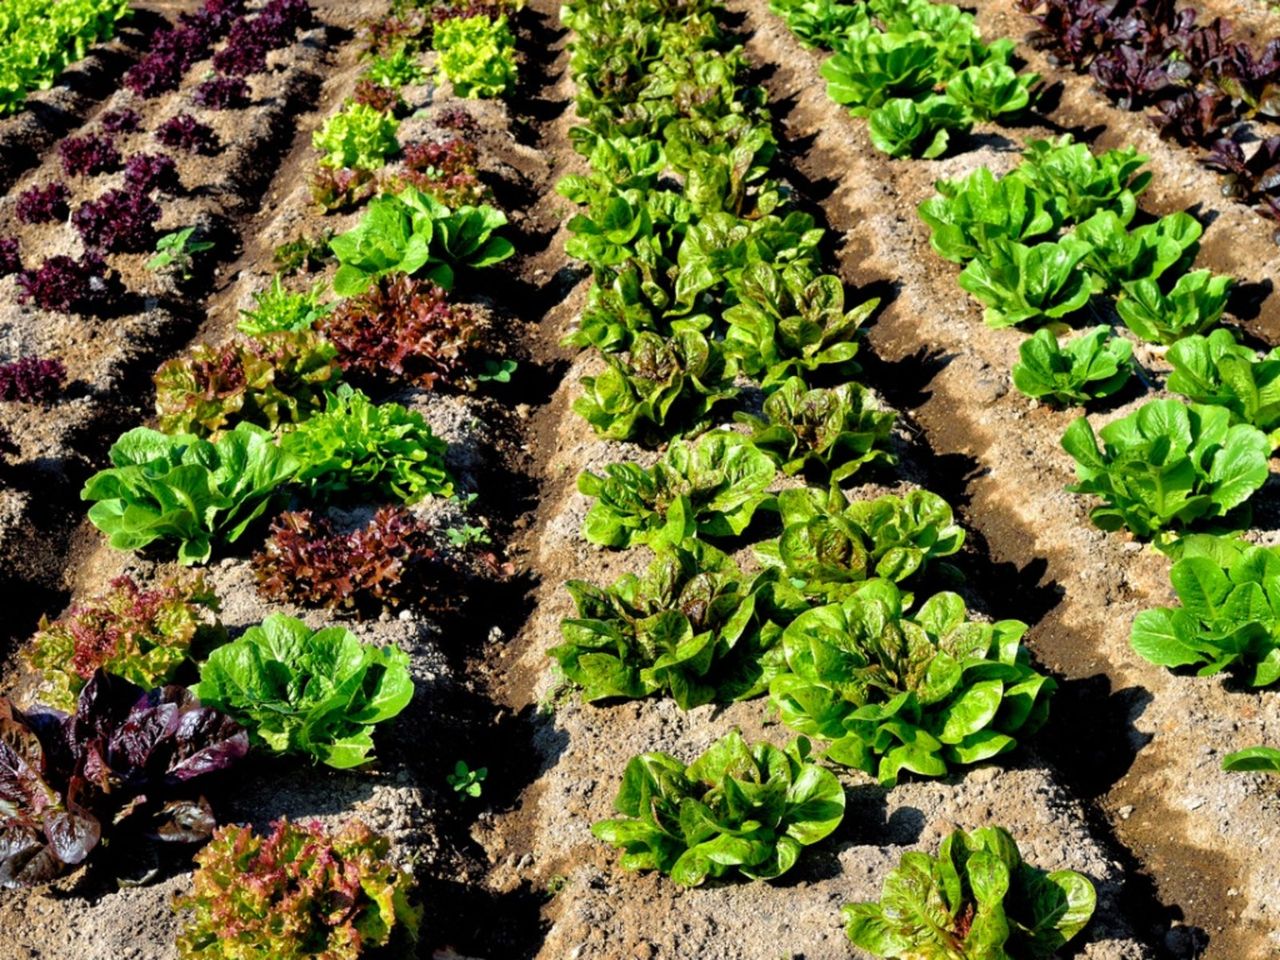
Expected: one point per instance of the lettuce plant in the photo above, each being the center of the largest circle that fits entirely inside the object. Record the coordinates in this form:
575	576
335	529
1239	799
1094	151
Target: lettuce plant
406	329
302	691
47	204
990	89
1263	759
357	137
711	487
1026	284
1218	371
1229	612
894	692
88	155
271	380
65	285
126	765
185	489
412	231
41	39
872	68
301	891
977	899
753	808
477	55
1167	465
32	380
342	188
1123	256
837	429
691	627
789	320
279	309
830	545
916	128
356	443
125	120
119	221
665	385
10	256
383	99
1193	305
388	562
1082	183
1095	364
147	172
969	214
395	68
819	23
222	93
185	132
141	635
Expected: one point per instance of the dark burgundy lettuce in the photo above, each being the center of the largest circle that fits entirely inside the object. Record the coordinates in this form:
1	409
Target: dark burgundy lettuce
32	380
144	172
65	285
118	221
126	762
45	204
185	132
121	121
10	258
222	93
88	155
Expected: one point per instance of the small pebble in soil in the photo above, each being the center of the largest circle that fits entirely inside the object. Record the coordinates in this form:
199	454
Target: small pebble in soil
1126	811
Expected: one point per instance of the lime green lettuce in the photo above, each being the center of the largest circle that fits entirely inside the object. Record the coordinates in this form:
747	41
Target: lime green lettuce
752	809
1081	183
477	55
1167	465
1123	256
894	692
186	490
1026	284
916	128
1193	305
969	214
977	900
357	137
356	443
41	38
302	691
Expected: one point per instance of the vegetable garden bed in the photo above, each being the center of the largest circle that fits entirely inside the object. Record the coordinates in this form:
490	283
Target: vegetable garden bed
465	483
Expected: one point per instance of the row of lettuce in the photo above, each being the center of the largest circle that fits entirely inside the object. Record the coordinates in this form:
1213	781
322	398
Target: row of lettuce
921	74
709	291
41	38
1052	243
143	699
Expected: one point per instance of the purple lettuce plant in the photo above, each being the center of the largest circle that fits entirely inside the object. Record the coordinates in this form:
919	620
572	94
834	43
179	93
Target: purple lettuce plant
120	221
145	172
185	132
46	204
128	762
65	285
32	380
88	155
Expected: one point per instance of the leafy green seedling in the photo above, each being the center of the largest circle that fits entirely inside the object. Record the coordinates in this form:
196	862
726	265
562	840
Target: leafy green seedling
174	253
467	781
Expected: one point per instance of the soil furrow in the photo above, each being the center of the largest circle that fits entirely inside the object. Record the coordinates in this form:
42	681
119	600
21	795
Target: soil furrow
1121	735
